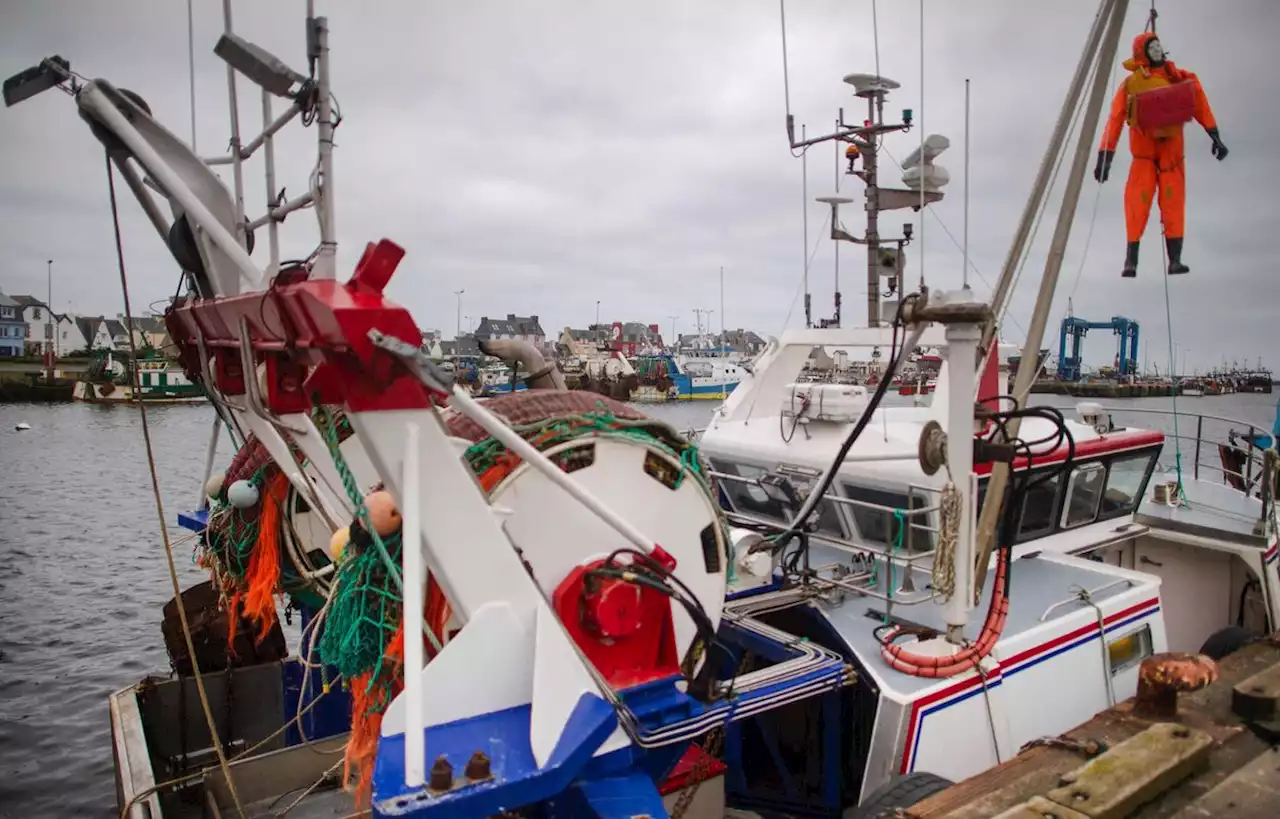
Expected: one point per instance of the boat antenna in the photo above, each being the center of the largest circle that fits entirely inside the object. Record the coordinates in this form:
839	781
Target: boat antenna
964	270
191	67
920	125
836	145
804	199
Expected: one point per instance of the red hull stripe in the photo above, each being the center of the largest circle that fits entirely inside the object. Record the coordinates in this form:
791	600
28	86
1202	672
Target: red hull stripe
972	685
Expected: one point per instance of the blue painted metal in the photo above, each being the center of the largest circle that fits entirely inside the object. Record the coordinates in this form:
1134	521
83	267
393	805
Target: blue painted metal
330	716
516	778
758	775
622	797
195	520
1069	366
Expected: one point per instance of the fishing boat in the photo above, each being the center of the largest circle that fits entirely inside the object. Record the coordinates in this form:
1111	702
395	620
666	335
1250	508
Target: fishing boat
690	378
120	378
538	604
519	604
1091	545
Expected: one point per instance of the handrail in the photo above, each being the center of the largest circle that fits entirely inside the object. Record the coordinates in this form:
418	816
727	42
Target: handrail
1153	411
1252	459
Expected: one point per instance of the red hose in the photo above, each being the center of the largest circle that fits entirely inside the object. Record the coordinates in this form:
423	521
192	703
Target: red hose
921	665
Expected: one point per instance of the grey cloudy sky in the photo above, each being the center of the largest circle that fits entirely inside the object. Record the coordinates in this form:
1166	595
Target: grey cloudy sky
544	156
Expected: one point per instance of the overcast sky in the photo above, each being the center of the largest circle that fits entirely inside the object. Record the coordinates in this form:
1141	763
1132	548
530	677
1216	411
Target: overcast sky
543	156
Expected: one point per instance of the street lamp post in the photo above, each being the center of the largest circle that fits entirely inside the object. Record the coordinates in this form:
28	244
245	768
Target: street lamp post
50	330
597	313
458	327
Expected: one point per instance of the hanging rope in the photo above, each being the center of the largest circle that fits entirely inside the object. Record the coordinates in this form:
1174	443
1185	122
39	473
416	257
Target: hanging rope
159	503
1168	317
1151	18
944	566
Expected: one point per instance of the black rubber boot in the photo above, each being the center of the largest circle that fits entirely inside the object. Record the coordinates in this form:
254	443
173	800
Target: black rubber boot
1174	247
1130	261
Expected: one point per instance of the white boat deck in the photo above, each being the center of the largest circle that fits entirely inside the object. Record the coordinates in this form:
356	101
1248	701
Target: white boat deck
1212	510
1042	589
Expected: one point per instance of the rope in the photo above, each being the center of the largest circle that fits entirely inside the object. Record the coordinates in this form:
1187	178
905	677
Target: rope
900	528
155	491
944	566
325	417
1087	598
1168	315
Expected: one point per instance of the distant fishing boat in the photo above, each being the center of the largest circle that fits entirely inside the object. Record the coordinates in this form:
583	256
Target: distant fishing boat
111	379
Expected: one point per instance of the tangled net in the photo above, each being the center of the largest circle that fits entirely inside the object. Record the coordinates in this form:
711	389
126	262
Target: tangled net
363	639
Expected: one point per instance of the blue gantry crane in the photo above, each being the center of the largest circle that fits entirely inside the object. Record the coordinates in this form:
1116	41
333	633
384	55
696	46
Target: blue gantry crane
1075	329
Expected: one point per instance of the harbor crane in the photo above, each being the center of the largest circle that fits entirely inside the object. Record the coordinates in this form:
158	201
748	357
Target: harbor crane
1074	328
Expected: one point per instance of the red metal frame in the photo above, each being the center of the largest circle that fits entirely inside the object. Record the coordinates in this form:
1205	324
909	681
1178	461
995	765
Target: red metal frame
624	629
313	336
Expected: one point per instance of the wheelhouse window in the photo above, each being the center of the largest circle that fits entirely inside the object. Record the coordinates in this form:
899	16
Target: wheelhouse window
1039	505
876	525
778	500
1084	491
1126	478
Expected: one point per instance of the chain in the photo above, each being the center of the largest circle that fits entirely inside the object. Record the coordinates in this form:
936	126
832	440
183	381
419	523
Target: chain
711	746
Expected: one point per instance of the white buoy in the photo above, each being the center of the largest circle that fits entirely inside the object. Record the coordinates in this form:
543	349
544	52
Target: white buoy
242	494
213	488
21	426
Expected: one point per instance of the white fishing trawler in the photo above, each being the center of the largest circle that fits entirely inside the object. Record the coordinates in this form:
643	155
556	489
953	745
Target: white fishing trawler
534	606
1090	546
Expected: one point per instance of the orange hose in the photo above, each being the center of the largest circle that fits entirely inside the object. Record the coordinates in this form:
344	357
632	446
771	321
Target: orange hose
922	665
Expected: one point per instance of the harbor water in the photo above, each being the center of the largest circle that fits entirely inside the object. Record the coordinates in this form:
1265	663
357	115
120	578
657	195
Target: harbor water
83	575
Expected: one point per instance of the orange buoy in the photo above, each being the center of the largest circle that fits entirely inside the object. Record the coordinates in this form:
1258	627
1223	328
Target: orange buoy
383	513
338	543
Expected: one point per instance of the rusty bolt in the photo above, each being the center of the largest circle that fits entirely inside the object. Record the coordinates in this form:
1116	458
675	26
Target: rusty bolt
478	766
441	775
1162	676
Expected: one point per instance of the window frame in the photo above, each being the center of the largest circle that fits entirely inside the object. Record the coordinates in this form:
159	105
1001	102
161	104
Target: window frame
1151	454
914	502
1070	490
726	488
1055	509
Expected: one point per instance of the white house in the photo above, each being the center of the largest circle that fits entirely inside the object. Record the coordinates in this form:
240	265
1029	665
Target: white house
96	334
45	328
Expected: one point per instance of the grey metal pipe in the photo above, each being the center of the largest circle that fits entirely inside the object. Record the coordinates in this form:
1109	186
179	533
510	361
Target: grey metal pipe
1049	282
1038	188
520	353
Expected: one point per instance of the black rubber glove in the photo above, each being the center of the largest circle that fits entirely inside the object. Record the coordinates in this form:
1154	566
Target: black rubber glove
1102	171
1219	150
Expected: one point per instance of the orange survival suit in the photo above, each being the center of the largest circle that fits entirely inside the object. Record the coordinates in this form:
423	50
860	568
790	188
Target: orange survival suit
1157	169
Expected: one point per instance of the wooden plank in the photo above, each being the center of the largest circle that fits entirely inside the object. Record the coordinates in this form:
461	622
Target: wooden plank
1253	792
132	757
1037	807
1135	772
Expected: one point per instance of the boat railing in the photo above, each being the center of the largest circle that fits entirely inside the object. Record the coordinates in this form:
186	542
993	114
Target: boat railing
906	551
1252	466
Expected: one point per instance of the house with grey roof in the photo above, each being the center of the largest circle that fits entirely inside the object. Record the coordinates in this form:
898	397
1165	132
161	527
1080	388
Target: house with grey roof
513	327
13	330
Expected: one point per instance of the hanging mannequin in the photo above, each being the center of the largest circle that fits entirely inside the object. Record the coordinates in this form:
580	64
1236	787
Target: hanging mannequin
1156	99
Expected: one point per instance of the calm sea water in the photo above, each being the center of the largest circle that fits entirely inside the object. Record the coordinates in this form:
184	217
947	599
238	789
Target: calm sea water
83	577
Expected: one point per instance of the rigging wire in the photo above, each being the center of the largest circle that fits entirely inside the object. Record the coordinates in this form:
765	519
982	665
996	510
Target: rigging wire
159	503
